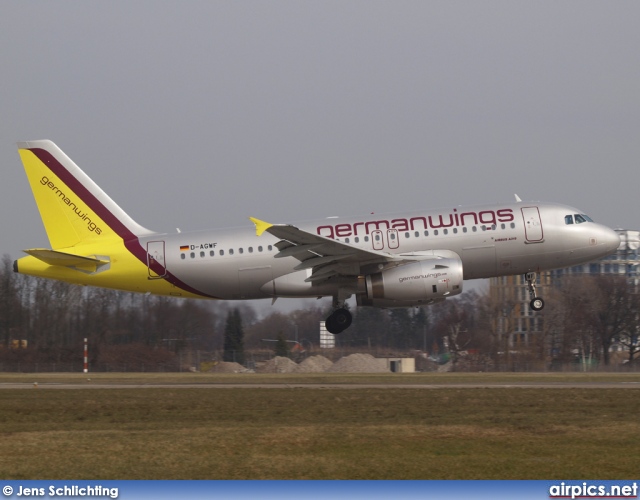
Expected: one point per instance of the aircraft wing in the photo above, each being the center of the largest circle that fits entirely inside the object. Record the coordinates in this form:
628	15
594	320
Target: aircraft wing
327	257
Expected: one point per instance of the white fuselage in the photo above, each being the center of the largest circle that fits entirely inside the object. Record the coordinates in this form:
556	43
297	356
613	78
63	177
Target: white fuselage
489	240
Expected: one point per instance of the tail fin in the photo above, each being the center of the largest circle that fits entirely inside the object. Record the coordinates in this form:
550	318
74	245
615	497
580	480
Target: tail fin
73	208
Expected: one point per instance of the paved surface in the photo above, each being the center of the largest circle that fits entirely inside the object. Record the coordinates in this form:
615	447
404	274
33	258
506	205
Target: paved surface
497	385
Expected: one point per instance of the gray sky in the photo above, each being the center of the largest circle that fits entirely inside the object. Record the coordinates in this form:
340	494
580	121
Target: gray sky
198	114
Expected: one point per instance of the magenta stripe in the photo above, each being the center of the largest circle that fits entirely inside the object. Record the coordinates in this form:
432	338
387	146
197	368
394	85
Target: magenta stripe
131	241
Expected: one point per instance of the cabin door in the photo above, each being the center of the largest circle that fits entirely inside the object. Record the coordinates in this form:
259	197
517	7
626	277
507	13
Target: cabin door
532	224
155	260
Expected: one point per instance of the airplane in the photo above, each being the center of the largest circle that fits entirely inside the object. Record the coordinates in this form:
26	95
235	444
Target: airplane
391	260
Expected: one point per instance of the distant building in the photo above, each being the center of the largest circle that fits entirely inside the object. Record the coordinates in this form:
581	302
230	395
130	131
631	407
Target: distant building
625	261
512	293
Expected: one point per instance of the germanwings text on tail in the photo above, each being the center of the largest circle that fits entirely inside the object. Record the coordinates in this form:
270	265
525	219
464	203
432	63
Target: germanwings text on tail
396	260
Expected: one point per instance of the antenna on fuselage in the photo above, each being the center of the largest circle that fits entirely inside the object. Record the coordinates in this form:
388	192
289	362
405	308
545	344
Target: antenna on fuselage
517	198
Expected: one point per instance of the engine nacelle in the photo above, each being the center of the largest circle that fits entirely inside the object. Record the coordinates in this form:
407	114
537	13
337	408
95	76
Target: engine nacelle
414	284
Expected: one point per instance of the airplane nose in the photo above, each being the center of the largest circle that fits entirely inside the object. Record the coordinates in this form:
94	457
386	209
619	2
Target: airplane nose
610	239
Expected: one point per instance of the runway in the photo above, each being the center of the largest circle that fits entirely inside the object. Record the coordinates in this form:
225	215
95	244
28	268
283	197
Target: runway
346	386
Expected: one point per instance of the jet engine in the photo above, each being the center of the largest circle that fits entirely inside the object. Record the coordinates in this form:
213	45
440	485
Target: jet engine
413	284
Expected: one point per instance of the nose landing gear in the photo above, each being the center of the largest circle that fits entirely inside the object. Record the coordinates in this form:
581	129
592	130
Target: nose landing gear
537	304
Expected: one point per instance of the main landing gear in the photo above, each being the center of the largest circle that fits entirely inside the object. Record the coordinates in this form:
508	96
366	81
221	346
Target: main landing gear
536	302
340	319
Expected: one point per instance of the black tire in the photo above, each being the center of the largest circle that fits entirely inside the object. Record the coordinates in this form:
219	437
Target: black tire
331	326
537	304
342	318
339	321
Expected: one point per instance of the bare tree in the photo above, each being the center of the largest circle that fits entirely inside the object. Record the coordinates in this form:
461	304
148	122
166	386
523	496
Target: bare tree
616	313
10	307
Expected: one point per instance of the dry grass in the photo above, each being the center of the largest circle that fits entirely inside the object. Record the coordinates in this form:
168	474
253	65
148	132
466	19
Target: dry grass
279	433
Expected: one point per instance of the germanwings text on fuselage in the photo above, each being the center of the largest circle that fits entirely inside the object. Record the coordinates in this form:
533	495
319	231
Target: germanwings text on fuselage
488	217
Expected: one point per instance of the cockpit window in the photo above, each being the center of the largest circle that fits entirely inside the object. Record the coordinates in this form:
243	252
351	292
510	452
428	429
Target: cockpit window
579	218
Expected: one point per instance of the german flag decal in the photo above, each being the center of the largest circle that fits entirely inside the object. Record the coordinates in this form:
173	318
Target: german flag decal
184	248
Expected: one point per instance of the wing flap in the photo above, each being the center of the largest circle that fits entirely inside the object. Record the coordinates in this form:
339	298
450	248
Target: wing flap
296	250
319	261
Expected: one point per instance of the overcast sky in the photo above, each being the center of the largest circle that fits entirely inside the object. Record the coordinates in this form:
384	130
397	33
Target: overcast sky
198	114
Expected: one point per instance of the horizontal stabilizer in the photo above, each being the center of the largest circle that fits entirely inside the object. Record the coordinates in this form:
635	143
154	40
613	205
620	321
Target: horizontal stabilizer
56	258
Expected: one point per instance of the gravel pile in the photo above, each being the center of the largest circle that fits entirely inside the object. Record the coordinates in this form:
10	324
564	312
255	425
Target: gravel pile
279	364
228	367
355	363
315	364
359	363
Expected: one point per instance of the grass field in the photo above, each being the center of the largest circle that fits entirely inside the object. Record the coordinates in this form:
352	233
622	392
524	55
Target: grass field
327	433
318	378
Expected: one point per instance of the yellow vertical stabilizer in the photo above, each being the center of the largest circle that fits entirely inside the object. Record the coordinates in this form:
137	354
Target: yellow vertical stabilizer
73	208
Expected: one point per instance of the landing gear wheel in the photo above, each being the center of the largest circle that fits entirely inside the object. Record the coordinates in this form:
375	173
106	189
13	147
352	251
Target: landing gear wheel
331	326
338	321
536	304
342	318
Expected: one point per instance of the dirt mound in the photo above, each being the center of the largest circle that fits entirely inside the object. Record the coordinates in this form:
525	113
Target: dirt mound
315	364
227	367
359	363
278	364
